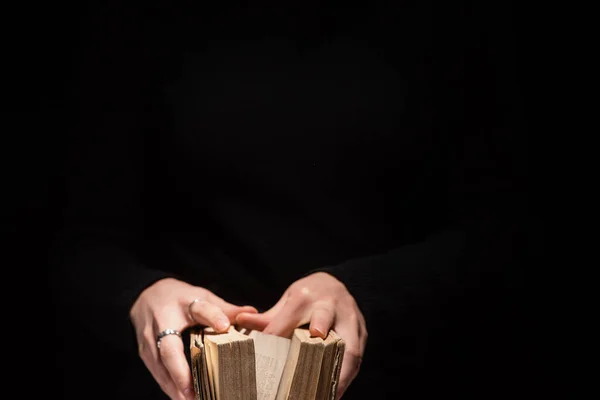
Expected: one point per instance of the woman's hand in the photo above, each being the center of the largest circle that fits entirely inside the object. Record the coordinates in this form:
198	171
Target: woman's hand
324	303
173	304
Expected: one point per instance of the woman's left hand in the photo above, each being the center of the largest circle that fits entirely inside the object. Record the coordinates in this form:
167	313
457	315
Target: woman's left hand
324	303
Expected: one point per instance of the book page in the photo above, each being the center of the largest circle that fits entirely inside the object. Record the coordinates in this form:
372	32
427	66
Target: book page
196	354
271	353
198	362
231	365
337	367
212	367
303	365
308	366
330	368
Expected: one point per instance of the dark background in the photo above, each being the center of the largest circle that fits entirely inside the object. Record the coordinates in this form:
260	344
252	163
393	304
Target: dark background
43	55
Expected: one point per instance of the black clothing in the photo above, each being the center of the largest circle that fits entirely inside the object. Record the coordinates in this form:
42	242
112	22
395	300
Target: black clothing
255	148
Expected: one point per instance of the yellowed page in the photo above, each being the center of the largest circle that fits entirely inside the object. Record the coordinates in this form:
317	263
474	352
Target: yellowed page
271	353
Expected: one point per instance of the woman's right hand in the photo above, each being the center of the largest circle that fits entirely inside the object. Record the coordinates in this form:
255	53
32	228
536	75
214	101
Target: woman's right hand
173	304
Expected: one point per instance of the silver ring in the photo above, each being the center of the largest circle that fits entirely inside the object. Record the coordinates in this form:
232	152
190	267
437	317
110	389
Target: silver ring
164	333
196	300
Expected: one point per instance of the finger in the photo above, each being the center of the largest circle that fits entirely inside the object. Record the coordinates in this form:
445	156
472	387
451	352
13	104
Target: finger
260	321
256	322
229	309
293	314
349	329
149	355
350	368
206	313
321	320
277	307
232	311
174	360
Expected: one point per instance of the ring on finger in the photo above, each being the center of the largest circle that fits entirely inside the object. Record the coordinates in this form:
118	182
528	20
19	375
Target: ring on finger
164	333
190	314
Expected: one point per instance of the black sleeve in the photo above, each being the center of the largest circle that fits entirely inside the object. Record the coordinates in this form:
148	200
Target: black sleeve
99	249
100	269
477	100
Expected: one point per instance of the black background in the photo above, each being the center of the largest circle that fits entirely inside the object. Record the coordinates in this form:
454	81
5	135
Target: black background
42	57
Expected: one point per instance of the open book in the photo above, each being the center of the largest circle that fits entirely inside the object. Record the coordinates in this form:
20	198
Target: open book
251	365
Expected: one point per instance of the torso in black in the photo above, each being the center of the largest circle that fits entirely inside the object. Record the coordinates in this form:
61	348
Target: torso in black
289	148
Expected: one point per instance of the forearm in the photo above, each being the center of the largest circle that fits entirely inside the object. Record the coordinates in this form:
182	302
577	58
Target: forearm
385	283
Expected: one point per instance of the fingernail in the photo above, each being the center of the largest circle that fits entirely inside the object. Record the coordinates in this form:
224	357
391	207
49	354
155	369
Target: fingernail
222	324
320	333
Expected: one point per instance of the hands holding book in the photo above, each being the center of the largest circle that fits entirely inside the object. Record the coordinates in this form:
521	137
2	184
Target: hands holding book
319	300
324	303
167	304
